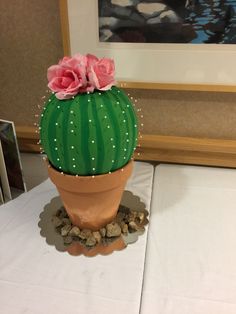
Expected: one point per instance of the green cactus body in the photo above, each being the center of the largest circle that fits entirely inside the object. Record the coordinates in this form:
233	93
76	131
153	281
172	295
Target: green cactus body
89	134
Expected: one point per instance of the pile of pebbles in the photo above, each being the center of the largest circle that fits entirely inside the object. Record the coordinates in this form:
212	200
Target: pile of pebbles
126	221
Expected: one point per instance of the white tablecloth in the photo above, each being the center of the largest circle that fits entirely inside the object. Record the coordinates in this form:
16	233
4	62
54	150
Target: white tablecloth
191	254
35	278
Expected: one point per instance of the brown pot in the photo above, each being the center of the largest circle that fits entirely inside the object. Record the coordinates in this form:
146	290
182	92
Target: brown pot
91	202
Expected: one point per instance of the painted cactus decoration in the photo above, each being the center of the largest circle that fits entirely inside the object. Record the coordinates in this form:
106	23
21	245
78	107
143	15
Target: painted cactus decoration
90	133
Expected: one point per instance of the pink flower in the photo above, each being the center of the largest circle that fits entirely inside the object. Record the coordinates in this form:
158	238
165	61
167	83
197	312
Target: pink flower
68	78
100	72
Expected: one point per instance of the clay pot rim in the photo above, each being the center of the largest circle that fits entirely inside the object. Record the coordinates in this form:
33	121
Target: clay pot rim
88	184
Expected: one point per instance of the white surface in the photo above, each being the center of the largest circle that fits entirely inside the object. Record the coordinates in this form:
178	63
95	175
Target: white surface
168	63
191	254
35	278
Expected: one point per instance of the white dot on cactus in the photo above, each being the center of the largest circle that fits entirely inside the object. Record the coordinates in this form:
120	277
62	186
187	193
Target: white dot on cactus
93	158
71	111
113	161
135	126
127	106
89	100
72	147
41	115
101	106
49	100
72	131
73	159
105	117
112	139
58	107
74	166
125	149
93	141
127	133
94	169
73	97
109	172
56	148
99	94
127	140
124	121
118	91
114	146
118	102
55	139
90	120
88	93
58	159
124	157
56	123
123	111
108	126
59	167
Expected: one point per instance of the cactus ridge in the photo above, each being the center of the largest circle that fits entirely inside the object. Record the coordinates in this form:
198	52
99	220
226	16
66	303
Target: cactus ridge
91	134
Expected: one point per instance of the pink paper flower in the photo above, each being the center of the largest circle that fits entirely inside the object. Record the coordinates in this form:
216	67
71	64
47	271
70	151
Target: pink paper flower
80	74
68	78
101	72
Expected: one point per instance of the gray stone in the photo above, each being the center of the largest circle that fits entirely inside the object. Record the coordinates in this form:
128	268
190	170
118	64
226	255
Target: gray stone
85	234
170	17
97	236
75	231
56	221
154	20
105	34
68	240
91	241
124	3
113	230
108	22
65	230
103	232
134	227
150	9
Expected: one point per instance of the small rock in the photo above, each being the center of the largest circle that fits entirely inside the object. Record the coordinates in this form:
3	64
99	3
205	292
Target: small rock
113	230
97	236
91	241
85	234
134	227
132	216
65	230
103	232
151	9
75	231
140	217
68	240
120	217
125	229
59	212
66	221
56	221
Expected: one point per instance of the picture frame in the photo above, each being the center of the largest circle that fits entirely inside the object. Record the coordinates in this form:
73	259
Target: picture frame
203	67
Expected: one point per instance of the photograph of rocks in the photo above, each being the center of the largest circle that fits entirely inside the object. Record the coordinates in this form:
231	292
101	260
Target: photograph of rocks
168	21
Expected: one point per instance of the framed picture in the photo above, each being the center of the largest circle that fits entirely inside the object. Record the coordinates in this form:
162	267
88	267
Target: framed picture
12	181
179	65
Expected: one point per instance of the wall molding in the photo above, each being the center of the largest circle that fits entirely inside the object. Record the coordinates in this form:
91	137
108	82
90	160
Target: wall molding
160	148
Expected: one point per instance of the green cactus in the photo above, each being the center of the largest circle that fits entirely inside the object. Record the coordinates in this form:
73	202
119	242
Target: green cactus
89	134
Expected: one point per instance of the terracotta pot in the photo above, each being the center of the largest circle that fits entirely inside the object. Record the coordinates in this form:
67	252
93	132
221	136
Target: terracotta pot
91	202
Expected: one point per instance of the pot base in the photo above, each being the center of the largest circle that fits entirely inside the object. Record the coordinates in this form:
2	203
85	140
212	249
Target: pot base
91	201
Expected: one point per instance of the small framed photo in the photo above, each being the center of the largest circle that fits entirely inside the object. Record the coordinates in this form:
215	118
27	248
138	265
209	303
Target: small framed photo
12	181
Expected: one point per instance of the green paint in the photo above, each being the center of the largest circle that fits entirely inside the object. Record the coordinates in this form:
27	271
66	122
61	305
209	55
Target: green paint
69	127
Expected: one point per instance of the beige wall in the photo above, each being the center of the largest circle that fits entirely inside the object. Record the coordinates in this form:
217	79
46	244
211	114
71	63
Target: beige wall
31	41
